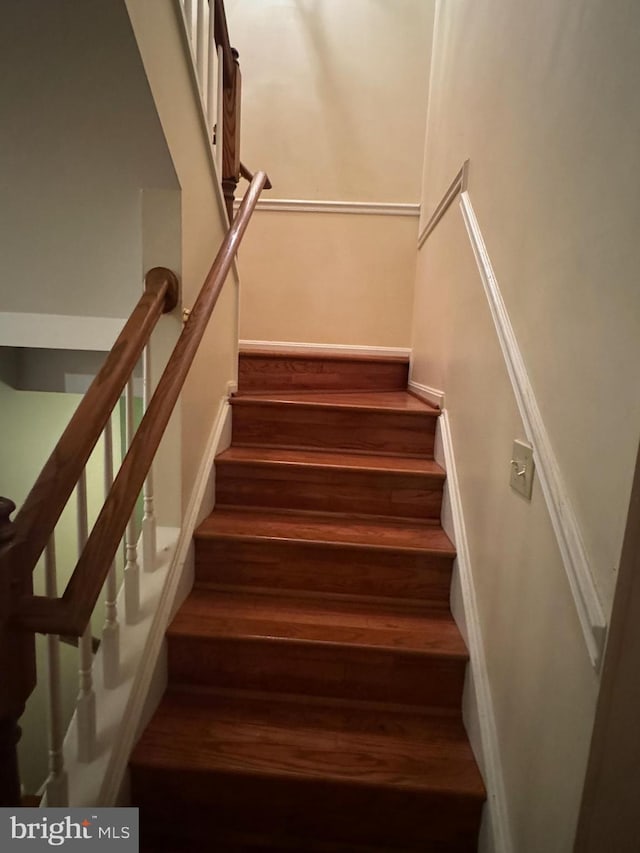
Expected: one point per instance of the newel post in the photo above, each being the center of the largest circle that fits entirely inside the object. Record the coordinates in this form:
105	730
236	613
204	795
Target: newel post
17	665
231	135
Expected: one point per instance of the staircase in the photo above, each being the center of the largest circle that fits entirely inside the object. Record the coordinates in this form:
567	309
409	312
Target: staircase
315	671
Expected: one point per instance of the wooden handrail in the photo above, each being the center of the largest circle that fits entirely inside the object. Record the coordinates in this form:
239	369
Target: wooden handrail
248	176
43	506
70	614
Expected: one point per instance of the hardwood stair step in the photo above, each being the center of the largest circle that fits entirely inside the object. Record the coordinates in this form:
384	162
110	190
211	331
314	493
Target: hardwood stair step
391	486
262	371
313	770
321	553
322	646
377	422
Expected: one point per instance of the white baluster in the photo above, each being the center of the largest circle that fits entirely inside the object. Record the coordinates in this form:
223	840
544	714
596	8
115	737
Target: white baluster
201	46
188	13
212	69
57	784
86	705
149	543
131	567
220	119
111	629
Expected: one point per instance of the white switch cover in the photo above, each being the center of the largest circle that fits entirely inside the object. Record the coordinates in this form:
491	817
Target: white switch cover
522	468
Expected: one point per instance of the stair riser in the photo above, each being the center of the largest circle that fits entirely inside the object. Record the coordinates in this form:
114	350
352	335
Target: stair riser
388	494
206	806
260	374
324	569
328	670
284	425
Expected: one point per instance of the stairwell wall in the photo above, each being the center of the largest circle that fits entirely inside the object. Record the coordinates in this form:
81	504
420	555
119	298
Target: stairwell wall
81	139
541	98
203	222
334	104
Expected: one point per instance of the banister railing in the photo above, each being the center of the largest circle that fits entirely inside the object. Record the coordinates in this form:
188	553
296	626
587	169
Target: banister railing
217	73
22	542
70	614
52	490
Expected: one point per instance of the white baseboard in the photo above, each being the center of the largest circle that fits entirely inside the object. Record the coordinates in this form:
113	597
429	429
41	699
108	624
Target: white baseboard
478	704
430	395
329	349
123	711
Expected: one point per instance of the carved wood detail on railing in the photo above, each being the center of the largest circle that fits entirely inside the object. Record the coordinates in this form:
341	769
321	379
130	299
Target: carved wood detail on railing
231	136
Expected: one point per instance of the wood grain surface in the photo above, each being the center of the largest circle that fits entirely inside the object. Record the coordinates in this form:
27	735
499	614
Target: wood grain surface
315	670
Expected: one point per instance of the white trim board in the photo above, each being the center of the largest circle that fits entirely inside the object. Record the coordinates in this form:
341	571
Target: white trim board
329	349
431	395
563	518
59	331
367	208
458	184
561	512
479	703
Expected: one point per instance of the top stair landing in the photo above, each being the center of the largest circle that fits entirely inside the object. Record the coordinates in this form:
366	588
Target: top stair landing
266	371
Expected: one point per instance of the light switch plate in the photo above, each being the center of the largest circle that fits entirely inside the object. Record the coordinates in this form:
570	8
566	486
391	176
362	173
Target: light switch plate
522	468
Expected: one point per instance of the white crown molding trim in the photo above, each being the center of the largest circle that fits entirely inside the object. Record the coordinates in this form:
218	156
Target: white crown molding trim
457	185
563	517
480	698
431	395
59	331
329	349
299	205
123	711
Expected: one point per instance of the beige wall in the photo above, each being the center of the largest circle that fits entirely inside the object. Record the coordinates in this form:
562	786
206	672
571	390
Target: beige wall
334	105
82	138
328	278
203	221
542	99
334	95
541	681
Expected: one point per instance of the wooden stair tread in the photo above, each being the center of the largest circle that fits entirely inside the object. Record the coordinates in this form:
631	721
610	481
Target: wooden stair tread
323	459
309	370
315	670
325	529
208	613
281	736
370	401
